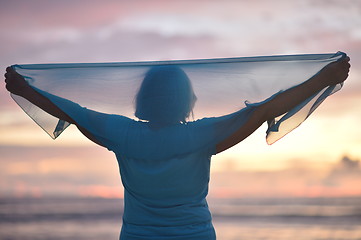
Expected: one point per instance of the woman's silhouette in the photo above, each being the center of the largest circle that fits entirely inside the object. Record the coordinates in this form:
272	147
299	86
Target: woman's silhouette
164	159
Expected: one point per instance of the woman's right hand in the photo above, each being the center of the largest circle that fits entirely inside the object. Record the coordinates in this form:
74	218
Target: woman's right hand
15	83
336	72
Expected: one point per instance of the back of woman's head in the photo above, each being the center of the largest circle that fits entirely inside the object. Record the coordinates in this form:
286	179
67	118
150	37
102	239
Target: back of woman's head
165	96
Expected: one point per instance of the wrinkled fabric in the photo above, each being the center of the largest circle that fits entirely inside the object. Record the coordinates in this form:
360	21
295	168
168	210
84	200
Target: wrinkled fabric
164	163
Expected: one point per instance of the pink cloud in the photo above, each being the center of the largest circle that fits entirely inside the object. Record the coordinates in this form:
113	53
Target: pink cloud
53	14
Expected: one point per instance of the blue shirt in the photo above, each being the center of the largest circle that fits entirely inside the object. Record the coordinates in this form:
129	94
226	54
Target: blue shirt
164	170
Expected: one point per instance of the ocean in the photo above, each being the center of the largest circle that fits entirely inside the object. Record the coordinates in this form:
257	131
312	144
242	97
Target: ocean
234	219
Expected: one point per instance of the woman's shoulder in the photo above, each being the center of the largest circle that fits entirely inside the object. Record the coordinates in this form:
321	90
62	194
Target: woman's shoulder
201	122
120	119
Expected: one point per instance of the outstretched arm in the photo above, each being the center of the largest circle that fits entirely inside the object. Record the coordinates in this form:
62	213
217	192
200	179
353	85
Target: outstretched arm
16	84
332	74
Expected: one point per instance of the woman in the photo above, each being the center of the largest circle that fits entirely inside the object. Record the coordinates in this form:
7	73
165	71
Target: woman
163	159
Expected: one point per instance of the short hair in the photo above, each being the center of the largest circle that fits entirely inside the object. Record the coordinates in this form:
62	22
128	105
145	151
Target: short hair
165	95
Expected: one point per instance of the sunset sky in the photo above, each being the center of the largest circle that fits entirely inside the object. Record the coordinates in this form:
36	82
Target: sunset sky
304	163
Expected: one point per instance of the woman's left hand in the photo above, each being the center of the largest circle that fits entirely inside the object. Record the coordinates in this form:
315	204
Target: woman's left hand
15	83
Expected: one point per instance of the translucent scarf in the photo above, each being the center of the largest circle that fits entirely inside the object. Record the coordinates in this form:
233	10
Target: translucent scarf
218	87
